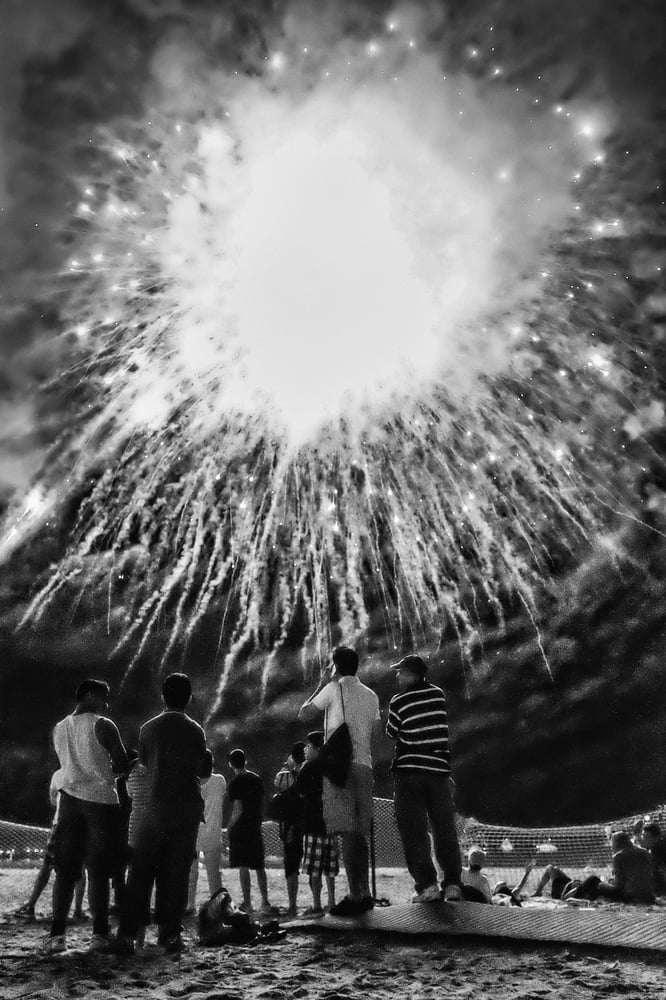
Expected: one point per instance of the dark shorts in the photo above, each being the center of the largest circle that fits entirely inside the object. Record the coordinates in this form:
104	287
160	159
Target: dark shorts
559	883
87	833
292	847
246	849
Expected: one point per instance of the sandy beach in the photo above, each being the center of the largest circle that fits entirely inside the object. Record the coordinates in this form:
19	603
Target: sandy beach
317	964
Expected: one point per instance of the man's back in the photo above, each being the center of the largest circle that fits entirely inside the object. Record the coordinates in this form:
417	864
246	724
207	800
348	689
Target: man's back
634	874
173	747
86	768
361	711
417	720
248	789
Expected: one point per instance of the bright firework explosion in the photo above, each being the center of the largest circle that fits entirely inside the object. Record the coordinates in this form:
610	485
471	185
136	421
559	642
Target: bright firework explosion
318	374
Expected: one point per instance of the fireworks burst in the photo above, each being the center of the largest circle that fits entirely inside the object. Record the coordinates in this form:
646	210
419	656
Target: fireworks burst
317	373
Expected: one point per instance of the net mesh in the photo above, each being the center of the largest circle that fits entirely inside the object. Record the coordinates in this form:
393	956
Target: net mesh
507	848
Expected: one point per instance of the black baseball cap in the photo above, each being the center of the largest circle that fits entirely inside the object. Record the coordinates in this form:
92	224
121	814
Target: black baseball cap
415	663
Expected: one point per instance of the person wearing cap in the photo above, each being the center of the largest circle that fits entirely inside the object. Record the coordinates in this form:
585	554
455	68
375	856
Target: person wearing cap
475	885
418	723
291	832
348	810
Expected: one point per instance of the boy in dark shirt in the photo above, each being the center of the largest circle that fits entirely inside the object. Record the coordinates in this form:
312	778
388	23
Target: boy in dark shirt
655	843
320	852
246	843
172	748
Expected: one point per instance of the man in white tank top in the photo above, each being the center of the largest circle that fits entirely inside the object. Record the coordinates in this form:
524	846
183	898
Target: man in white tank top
91	754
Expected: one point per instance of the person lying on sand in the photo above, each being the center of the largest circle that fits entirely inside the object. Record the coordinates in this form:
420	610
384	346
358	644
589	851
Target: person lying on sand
504	892
563	886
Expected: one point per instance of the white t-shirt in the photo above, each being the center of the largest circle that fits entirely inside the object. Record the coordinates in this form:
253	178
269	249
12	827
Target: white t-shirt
213	790
478	881
361	711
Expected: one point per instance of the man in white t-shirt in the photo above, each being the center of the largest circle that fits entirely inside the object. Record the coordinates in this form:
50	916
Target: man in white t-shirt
348	810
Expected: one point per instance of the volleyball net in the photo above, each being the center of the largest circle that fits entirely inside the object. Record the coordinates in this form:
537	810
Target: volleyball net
507	848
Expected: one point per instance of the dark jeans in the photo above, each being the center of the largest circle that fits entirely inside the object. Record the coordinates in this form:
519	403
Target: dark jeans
423	797
161	856
87	833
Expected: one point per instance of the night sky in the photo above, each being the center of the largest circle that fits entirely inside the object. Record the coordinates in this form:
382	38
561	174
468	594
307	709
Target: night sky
558	711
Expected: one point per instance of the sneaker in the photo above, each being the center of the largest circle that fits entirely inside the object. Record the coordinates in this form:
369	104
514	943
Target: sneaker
100	942
27	911
174	944
55	944
348	908
367	903
452	894
80	916
430	894
120	945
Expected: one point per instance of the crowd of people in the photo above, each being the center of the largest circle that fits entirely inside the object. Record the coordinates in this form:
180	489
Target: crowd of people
141	821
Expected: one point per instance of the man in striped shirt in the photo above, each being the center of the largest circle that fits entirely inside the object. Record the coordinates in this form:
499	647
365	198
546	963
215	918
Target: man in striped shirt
417	721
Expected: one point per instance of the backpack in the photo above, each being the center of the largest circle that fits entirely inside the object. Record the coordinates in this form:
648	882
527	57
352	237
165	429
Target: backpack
286	807
219	921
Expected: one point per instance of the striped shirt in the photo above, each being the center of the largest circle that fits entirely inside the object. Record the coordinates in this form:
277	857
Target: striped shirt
417	721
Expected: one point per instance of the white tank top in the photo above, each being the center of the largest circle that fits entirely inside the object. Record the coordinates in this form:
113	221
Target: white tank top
86	766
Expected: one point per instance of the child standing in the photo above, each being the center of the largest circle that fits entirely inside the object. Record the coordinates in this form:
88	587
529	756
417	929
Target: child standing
246	843
291	832
209	838
44	873
320	851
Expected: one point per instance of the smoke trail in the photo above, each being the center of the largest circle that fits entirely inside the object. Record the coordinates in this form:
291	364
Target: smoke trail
322	370
368	209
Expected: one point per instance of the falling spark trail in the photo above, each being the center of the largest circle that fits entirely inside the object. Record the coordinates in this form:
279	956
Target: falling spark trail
316	366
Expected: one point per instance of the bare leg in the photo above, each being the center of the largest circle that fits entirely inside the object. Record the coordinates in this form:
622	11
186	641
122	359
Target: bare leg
355	854
194	878
246	888
79	895
544	880
262	882
315	886
292	891
330	890
41	882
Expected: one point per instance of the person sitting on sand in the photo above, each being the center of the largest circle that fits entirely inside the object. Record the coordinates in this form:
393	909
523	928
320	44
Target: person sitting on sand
44	873
475	885
655	843
563	886
633	873
291	832
209	838
246	842
320	854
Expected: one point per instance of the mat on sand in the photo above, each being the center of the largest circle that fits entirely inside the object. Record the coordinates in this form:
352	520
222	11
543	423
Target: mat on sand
605	926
